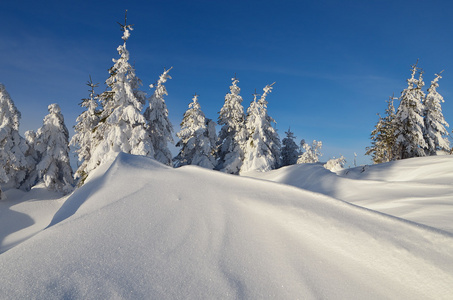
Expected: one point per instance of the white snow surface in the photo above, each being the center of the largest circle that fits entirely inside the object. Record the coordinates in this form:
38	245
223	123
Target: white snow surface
141	230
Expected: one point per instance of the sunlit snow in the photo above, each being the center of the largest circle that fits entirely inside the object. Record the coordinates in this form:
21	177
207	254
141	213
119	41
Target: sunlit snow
141	230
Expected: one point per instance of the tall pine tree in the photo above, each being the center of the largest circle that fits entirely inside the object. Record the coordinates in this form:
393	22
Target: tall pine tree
196	148
263	148
13	161
233	134
158	125
409	123
383	136
122	127
83	137
435	133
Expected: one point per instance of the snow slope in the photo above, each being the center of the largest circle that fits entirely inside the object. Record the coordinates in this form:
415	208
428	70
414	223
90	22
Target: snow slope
146	231
418	189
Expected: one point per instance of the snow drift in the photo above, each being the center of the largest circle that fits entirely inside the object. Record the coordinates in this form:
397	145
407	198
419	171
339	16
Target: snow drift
143	230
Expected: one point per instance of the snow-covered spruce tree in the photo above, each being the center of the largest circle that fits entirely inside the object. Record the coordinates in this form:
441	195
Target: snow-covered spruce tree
159	126
290	150
83	137
211	134
32	156
435	133
311	153
52	145
196	148
233	134
263	148
409	123
122	127
13	161
383	136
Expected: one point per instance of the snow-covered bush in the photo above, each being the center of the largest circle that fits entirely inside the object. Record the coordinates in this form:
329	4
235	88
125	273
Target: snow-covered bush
311	153
335	164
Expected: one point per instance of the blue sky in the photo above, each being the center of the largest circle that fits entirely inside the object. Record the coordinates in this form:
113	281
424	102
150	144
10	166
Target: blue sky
335	63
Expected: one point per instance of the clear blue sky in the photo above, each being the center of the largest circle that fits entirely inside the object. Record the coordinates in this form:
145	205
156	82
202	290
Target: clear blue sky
335	63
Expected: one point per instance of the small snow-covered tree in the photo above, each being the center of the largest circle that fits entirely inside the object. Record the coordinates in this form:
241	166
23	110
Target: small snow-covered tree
290	150
122	127
310	154
409	123
83	137
383	136
196	148
263	147
233	134
52	145
13	161
158	125
435	133
335	164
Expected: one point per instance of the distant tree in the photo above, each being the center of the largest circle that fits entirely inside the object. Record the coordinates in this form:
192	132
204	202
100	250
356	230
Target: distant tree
13	161
435	133
310	154
290	150
83	137
52	145
409	123
122	127
233	134
196	148
263	148
383	136
159	126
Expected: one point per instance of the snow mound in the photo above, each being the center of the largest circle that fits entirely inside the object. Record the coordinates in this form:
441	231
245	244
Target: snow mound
146	231
417	189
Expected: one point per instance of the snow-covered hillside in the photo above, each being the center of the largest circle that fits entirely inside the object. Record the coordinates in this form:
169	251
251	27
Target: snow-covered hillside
416	189
142	230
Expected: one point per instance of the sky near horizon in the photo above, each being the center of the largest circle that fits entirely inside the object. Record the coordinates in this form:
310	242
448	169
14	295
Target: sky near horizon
335	63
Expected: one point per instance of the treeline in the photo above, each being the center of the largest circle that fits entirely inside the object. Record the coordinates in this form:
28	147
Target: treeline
417	128
118	121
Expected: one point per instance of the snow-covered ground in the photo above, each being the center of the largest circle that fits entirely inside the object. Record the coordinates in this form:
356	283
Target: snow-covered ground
141	230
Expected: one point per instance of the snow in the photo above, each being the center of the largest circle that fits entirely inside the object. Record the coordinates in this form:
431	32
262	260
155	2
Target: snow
141	230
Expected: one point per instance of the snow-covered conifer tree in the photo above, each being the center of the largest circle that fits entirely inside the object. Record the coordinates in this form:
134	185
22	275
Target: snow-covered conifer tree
13	161
211	134
233	134
32	156
290	150
52	145
435	133
263	148
409	123
158	125
122	127
196	148
83	137
383	136
311	153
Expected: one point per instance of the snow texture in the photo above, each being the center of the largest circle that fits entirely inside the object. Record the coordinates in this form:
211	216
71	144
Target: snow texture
141	230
